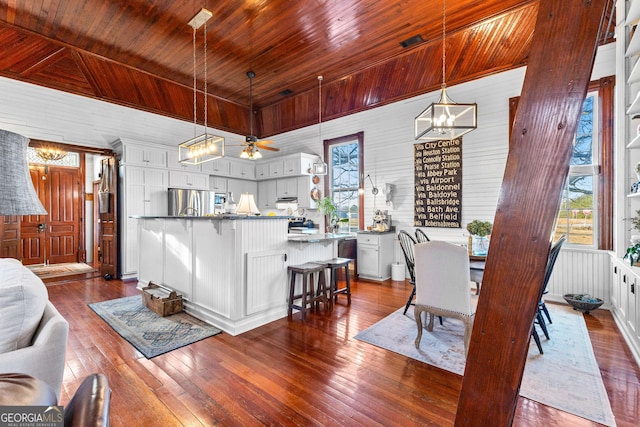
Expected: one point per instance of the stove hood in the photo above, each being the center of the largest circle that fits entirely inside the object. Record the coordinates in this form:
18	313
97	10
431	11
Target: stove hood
287	202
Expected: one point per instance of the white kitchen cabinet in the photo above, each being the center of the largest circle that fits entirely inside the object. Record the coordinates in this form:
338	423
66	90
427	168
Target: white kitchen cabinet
262	170
139	155
240	186
244	169
219	167
218	184
267	194
188	180
375	255
625	302
287	187
145	193
174	163
299	164
276	168
291	166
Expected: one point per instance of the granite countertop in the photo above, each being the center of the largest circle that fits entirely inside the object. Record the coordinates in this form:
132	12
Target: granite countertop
320	237
376	232
210	217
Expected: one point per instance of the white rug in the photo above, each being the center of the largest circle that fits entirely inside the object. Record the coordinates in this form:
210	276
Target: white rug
565	377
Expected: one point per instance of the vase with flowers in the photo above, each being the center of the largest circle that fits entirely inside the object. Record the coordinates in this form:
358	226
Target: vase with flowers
479	240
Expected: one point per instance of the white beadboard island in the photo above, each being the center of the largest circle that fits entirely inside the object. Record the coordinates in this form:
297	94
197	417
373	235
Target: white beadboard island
230	269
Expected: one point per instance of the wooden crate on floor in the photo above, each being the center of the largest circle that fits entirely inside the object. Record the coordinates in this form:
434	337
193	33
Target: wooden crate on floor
161	300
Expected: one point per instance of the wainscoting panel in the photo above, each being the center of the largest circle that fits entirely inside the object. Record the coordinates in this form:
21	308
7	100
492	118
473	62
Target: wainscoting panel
581	271
266	280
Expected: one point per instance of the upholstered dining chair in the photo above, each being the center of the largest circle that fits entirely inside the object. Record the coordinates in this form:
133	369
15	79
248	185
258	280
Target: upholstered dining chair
407	242
421	237
442	286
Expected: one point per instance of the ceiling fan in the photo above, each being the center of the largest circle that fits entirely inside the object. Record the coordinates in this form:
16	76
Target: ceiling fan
251	143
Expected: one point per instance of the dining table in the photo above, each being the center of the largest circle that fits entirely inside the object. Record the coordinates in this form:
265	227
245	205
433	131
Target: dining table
476	269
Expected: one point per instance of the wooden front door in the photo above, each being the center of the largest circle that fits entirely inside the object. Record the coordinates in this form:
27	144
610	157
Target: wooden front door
53	238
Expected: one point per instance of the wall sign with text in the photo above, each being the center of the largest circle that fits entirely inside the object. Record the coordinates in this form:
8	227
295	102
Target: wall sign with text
438	180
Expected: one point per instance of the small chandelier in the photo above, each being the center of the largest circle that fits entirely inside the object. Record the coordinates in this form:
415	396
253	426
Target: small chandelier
205	147
251	152
50	154
445	119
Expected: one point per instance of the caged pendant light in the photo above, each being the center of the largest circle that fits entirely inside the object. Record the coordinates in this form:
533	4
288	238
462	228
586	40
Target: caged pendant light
445	119
320	167
205	147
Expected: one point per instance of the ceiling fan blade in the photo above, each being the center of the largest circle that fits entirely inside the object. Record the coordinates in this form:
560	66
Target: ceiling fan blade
265	141
269	148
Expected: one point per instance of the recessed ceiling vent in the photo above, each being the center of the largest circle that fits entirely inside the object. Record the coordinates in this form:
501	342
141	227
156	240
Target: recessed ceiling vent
412	41
286	92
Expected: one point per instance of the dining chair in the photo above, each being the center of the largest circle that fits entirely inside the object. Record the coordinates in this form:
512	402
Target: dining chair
442	286
542	308
421	237
407	242
551	261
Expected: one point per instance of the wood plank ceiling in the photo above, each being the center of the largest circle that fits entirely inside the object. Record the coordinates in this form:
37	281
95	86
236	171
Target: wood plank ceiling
139	53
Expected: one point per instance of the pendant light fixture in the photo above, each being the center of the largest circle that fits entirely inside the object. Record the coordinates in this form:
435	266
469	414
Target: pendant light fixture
320	167
205	147
445	119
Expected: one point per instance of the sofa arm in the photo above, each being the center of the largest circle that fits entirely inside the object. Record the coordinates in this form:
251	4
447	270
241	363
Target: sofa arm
45	357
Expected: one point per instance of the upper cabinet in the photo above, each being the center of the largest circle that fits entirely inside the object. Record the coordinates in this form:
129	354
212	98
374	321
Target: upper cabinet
139	155
173	163
244	169
218	167
286	166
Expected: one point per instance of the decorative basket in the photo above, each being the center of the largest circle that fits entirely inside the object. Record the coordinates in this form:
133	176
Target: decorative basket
583	302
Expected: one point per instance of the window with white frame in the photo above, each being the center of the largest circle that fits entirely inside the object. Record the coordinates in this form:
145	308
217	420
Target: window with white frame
578	216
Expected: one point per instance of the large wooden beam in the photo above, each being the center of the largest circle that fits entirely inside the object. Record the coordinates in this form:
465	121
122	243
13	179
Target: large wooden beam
555	85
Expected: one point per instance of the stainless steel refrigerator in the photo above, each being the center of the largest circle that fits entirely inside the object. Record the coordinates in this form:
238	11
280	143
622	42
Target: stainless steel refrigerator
183	202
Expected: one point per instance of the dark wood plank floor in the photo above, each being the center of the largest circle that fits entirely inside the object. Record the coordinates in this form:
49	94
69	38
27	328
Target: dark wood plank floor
291	372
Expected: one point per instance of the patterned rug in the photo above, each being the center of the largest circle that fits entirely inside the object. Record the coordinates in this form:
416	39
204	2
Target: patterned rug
565	377
150	334
59	270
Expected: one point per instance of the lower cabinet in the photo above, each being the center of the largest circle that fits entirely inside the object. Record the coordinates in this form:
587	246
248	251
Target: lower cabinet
375	255
625	302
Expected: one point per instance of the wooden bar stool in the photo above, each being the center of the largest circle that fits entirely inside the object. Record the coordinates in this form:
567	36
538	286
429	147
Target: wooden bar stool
335	264
313	292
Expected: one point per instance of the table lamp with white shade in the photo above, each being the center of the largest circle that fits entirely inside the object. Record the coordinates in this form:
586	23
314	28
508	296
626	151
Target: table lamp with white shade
247	205
17	194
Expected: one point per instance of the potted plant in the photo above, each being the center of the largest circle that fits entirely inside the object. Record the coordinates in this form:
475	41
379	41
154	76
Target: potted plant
633	253
478	241
326	207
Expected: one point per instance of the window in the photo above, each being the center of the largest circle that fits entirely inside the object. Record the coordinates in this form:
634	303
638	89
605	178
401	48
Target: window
586	210
577	218
344	158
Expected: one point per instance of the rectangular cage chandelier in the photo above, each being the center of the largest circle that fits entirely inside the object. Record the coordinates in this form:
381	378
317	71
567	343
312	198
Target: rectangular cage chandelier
205	147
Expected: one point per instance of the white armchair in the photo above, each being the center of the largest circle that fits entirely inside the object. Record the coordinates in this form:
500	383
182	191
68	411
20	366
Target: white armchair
443	286
33	335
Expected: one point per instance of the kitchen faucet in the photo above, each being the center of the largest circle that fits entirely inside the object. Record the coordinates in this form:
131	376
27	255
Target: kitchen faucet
185	211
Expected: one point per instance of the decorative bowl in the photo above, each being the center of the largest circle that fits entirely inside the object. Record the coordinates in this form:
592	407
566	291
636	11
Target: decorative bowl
583	302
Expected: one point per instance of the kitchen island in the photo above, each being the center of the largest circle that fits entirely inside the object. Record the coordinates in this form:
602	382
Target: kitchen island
230	269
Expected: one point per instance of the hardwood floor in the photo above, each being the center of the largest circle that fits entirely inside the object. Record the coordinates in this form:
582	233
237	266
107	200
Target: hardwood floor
291	372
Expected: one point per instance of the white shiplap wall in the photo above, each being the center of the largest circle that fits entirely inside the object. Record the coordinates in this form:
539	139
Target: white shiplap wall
42	113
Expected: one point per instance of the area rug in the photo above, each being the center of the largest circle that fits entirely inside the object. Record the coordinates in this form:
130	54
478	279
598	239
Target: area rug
59	270
565	377
151	334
